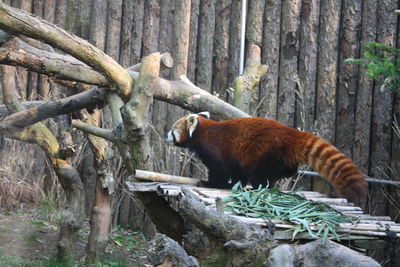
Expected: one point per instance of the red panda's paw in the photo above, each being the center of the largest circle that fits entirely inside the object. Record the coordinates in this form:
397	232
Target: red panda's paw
202	184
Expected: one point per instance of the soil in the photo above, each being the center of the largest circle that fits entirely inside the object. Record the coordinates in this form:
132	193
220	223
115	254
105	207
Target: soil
26	238
21	237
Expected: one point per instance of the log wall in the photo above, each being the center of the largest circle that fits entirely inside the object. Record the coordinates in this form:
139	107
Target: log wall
304	43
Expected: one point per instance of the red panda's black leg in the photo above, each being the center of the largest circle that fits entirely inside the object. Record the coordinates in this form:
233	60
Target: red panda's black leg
216	179
256	181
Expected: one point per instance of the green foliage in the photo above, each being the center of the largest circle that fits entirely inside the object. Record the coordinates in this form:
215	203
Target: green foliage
130	240
54	261
382	63
274	204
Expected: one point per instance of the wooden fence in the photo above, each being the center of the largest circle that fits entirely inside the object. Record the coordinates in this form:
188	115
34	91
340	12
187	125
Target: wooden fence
304	43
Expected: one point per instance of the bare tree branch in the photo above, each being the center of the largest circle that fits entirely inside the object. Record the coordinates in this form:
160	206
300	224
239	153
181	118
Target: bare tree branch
90	129
17	52
19	120
182	93
19	22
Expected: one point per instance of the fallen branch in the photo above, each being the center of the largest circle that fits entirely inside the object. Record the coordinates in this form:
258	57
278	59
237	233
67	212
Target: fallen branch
245	244
161	177
164	251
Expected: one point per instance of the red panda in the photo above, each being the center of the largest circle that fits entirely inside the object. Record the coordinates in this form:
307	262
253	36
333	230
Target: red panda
261	151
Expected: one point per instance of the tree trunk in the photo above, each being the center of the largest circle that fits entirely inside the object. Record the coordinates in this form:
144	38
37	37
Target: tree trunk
270	57
136	122
100	224
100	219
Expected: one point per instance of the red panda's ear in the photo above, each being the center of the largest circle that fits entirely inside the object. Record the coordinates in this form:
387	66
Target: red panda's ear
191	123
205	114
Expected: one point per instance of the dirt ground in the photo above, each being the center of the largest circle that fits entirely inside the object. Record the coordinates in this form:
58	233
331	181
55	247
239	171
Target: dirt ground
21	236
26	240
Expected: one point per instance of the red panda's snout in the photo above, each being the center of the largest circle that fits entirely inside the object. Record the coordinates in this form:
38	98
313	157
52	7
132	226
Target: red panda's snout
170	138
175	138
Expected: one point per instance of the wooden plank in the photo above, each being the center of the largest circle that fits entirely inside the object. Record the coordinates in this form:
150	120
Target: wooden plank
141	187
368	226
331	201
285	235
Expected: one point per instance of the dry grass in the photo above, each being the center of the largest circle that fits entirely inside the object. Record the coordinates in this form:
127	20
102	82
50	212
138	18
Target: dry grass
21	174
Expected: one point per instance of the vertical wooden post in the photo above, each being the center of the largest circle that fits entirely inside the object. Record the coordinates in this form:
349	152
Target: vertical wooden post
234	44
205	44
382	112
221	46
326	78
288	61
349	47
305	103
270	57
180	52
113	37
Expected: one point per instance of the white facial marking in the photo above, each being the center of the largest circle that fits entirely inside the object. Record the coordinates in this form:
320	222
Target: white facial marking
193	120
177	136
170	138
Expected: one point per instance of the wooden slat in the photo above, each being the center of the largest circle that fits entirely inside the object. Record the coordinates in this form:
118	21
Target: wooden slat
368	227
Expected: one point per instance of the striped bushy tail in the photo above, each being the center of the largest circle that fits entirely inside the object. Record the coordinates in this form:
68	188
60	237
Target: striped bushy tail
338	169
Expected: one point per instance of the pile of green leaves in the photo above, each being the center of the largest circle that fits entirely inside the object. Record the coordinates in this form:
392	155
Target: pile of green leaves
382	63
275	204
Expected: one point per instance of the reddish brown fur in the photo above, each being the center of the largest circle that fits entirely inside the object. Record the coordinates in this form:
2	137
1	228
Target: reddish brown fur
256	149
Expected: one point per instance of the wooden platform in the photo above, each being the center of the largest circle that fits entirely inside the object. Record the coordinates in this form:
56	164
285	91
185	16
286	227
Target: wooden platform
370	233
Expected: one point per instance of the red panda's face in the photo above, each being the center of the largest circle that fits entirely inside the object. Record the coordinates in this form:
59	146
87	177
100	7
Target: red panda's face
183	129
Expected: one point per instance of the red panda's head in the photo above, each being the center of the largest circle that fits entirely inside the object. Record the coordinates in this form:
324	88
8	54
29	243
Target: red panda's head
183	129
